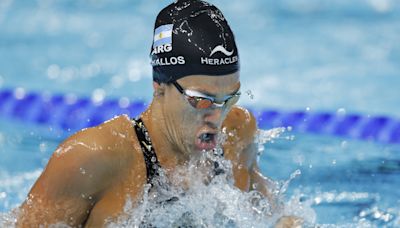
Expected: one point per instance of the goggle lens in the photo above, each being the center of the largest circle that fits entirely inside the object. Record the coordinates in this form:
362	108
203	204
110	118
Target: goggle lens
204	102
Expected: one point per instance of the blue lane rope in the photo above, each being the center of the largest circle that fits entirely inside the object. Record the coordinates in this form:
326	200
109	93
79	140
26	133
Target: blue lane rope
59	111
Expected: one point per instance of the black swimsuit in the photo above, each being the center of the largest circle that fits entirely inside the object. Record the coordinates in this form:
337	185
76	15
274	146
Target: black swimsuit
150	157
151	160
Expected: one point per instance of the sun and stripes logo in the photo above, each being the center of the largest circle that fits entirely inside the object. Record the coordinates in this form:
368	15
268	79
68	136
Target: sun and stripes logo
163	35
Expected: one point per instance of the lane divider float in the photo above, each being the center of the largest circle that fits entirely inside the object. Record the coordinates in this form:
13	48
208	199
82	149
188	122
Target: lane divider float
70	113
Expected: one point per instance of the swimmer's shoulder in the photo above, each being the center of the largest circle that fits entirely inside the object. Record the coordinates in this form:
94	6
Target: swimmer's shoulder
94	158
118	129
115	137
241	125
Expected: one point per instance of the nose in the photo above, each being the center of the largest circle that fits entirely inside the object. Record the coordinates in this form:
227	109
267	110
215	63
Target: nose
214	117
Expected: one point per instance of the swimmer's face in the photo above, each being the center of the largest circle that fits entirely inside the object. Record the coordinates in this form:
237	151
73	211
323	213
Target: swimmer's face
193	128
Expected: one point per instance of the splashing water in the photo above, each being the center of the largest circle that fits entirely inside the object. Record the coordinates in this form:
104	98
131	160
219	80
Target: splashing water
194	198
250	94
202	194
269	136
8	219
265	136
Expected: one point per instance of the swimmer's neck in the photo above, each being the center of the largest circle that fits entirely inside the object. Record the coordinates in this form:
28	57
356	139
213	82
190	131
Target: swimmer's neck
163	136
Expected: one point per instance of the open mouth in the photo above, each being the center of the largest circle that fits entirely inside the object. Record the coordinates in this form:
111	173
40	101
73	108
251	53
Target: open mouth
206	141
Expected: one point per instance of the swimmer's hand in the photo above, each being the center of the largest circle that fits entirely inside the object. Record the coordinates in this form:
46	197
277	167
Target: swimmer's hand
289	222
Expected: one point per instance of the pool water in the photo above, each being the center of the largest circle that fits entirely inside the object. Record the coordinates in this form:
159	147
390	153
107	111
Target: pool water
295	55
350	180
346	182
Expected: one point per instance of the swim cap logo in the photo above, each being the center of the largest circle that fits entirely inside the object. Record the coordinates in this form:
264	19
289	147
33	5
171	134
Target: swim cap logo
168	61
162	39
219	61
221	48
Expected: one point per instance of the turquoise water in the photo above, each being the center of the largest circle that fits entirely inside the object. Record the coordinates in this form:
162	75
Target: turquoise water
295	55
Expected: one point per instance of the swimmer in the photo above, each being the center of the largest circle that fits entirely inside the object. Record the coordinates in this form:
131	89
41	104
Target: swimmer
195	61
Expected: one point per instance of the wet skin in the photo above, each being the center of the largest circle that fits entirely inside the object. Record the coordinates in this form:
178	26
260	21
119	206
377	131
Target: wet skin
92	173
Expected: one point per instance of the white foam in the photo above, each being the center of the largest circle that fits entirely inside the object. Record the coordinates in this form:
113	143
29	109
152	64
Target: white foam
13	190
207	201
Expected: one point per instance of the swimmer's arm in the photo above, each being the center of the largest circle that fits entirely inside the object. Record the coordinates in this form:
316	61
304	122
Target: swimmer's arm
74	179
266	186
245	126
242	123
261	183
258	181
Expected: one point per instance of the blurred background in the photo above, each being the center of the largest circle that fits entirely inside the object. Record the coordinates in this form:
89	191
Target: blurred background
294	53
335	56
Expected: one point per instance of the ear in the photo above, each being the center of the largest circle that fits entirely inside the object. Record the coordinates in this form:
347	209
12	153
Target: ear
155	85
159	89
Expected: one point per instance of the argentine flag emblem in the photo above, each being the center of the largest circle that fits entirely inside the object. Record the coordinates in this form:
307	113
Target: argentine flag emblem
163	35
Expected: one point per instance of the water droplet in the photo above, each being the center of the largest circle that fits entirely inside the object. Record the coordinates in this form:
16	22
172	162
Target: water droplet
43	147
19	93
295	174
82	170
255	186
3	195
250	94
341	112
123	102
153	159
317	200
98	96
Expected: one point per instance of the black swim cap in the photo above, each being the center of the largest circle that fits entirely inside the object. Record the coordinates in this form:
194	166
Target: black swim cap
192	37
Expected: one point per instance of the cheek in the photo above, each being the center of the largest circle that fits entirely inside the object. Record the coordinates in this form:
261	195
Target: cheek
181	113
189	118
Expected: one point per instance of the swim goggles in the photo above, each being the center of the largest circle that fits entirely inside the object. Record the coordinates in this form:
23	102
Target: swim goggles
200	101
